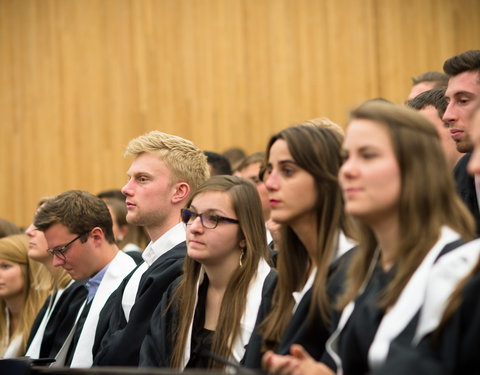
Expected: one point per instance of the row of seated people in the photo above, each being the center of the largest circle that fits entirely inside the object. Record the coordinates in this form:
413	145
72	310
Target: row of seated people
376	272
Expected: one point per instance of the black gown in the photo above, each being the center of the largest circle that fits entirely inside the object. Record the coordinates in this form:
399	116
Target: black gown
61	319
117	343
454	351
359	332
310	333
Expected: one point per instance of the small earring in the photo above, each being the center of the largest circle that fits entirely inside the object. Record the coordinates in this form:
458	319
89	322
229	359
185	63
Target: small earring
240	263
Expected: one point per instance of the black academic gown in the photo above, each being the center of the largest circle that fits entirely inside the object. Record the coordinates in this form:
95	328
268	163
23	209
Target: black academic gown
117	343
466	188
359	332
313	333
61	320
158	344
454	351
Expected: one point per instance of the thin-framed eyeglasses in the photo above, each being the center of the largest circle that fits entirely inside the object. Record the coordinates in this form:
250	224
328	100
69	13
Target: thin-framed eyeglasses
208	220
59	252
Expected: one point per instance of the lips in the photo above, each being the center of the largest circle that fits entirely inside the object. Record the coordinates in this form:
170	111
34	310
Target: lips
130	205
455	133
351	191
274	202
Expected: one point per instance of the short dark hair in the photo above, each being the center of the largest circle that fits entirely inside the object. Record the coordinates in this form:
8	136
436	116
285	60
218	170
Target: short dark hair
464	62
440	79
219	163
433	97
79	211
112	193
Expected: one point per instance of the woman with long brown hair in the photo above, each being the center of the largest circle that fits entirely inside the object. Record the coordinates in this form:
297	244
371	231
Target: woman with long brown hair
305	198
210	312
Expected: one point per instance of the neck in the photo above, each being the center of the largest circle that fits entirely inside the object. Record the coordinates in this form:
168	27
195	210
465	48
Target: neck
387	235
306	231
157	231
15	307
219	275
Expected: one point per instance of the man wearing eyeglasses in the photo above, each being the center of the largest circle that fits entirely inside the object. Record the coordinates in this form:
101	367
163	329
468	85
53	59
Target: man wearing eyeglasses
166	169
78	230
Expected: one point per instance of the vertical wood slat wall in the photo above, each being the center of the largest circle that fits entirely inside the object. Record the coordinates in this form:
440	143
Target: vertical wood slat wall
79	78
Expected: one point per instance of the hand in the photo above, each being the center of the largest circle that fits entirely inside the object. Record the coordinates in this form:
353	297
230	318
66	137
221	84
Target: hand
298	363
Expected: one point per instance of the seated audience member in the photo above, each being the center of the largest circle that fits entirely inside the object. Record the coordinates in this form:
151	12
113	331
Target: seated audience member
409	216
7	228
24	285
57	316
427	81
249	168
218	164
234	155
305	198
448	331
463	96
212	308
78	229
432	104
166	169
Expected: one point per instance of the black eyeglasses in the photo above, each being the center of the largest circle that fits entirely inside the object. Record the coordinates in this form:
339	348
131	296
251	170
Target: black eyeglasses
209	221
59	252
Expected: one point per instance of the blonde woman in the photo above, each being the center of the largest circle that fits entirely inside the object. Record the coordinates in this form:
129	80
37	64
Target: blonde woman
24	285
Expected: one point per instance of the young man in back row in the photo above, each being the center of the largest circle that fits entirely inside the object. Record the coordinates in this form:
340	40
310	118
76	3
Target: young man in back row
165	171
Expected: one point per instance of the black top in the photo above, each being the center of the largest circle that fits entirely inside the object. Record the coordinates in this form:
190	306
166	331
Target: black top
158	345
117	343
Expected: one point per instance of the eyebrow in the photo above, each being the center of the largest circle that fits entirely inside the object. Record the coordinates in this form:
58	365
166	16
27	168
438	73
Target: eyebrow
460	93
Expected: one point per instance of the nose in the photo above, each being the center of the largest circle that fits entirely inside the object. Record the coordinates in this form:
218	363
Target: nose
271	181
30	230
450	115
347	170
196	225
57	262
127	189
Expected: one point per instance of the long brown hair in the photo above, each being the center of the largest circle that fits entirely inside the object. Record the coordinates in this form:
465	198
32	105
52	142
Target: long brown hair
316	149
247	206
427	202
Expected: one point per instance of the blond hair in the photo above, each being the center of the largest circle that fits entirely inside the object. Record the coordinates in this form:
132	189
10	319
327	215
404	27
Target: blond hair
184	159
37	285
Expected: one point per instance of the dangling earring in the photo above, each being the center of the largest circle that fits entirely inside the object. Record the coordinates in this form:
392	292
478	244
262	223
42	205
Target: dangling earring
240	263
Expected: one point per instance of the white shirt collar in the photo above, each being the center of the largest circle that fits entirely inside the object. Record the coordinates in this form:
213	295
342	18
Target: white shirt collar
168	240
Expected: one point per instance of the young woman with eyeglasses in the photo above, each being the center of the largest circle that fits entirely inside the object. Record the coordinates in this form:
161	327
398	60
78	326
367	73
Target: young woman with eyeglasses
24	285
210	312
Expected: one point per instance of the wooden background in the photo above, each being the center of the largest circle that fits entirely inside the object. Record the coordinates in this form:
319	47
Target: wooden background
79	78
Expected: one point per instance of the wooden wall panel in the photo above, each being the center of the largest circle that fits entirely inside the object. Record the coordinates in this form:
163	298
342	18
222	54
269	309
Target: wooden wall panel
80	78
